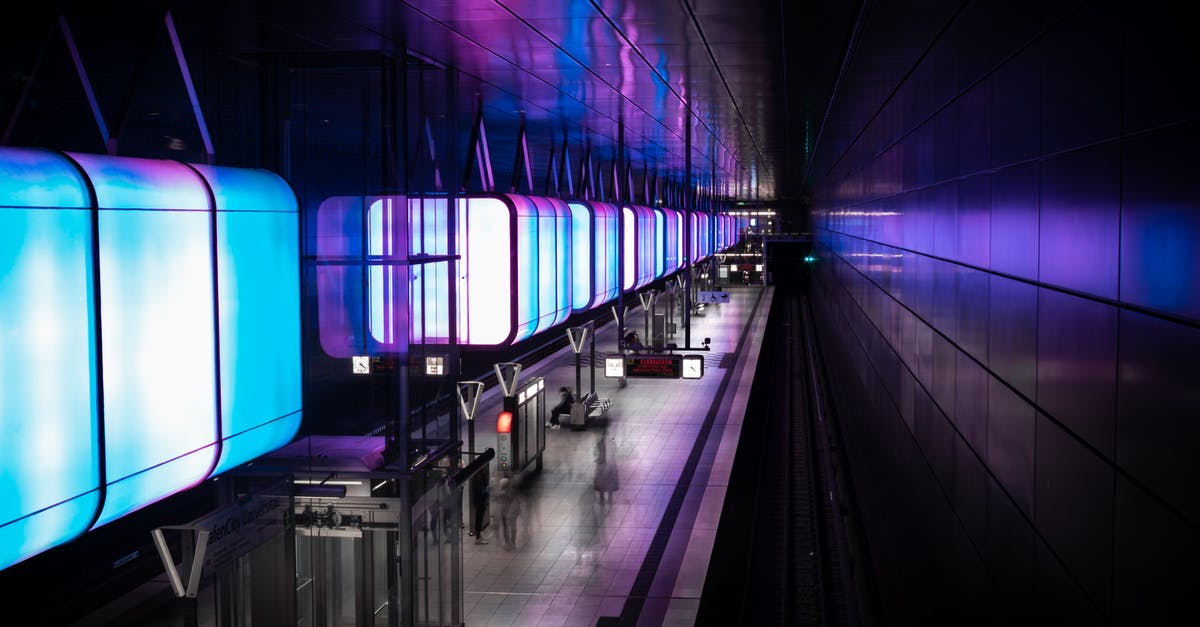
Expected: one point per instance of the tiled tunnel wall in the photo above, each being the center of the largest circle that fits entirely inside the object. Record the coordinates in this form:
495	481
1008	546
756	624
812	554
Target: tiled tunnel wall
1008	205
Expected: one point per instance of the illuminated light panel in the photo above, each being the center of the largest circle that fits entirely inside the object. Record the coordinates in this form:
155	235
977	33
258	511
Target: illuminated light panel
429	293
485	277
259	289
387	219
629	249
130	183
49	485
646	237
160	383
340	288
595	256
605	253
581	264
660	236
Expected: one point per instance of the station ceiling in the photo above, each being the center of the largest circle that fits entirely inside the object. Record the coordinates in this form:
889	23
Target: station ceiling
753	77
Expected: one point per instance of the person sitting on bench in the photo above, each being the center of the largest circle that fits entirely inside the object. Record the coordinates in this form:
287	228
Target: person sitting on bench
563	407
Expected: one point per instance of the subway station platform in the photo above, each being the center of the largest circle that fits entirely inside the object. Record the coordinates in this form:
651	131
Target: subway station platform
642	556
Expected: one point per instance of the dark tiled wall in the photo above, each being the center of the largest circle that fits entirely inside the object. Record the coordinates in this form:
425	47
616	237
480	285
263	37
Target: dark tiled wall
1010	295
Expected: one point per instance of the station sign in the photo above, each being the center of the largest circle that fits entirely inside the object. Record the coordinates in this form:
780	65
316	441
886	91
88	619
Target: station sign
654	366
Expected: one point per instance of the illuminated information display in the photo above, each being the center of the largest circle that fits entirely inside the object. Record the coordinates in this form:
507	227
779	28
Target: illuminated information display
654	366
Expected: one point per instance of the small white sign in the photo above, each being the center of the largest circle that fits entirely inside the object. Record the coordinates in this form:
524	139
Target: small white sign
693	366
614	367
360	364
435	366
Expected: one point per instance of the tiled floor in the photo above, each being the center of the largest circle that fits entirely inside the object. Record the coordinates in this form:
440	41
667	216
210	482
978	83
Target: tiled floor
577	559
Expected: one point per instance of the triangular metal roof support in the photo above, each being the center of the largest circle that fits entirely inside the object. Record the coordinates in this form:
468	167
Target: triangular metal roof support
629	182
552	173
437	173
508	374
564	169
468	397
191	89
587	179
577	336
477	149
194	548
86	82
521	160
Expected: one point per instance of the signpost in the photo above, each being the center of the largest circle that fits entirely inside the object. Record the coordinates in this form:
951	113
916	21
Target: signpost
669	366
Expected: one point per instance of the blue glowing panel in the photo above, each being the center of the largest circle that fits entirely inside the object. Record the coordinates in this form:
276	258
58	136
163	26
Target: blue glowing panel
562	250
48	432
159	364
603	252
486	272
340	315
526	273
581	259
258	255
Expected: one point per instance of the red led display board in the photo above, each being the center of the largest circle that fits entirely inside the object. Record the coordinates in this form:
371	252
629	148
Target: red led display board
654	366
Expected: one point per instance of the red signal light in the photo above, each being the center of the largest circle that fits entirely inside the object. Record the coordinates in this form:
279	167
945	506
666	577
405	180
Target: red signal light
504	422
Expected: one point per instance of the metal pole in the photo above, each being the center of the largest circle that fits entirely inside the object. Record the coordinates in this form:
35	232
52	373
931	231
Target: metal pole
687	232
578	374
620	235
593	367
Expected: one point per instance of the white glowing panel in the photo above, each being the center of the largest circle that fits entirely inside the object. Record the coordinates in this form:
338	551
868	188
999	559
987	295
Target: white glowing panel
485	275
387	223
159	366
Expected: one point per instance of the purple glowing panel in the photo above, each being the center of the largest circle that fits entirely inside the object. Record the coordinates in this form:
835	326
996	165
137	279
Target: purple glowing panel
1079	241
694	245
528	267
429	296
660	244
486	271
582	278
50	474
340	315
629	249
